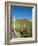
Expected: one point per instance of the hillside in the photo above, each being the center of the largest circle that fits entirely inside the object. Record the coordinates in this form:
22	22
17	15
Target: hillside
22	21
23	28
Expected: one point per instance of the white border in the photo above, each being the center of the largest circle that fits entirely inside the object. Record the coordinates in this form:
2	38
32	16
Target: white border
14	40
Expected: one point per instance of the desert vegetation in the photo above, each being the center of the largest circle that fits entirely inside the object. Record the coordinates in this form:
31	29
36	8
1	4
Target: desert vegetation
23	28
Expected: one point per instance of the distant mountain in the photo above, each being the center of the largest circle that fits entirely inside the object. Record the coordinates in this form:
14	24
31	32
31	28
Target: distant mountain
22	21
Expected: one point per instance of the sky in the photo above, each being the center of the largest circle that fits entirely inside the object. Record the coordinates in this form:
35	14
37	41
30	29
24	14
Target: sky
20	12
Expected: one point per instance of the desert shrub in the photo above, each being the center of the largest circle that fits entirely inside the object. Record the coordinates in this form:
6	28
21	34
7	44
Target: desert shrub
24	31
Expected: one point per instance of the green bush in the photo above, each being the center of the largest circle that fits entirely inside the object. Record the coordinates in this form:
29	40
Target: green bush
24	31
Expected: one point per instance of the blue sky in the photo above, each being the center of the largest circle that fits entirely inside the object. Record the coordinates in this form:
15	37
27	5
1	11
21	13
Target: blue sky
21	12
